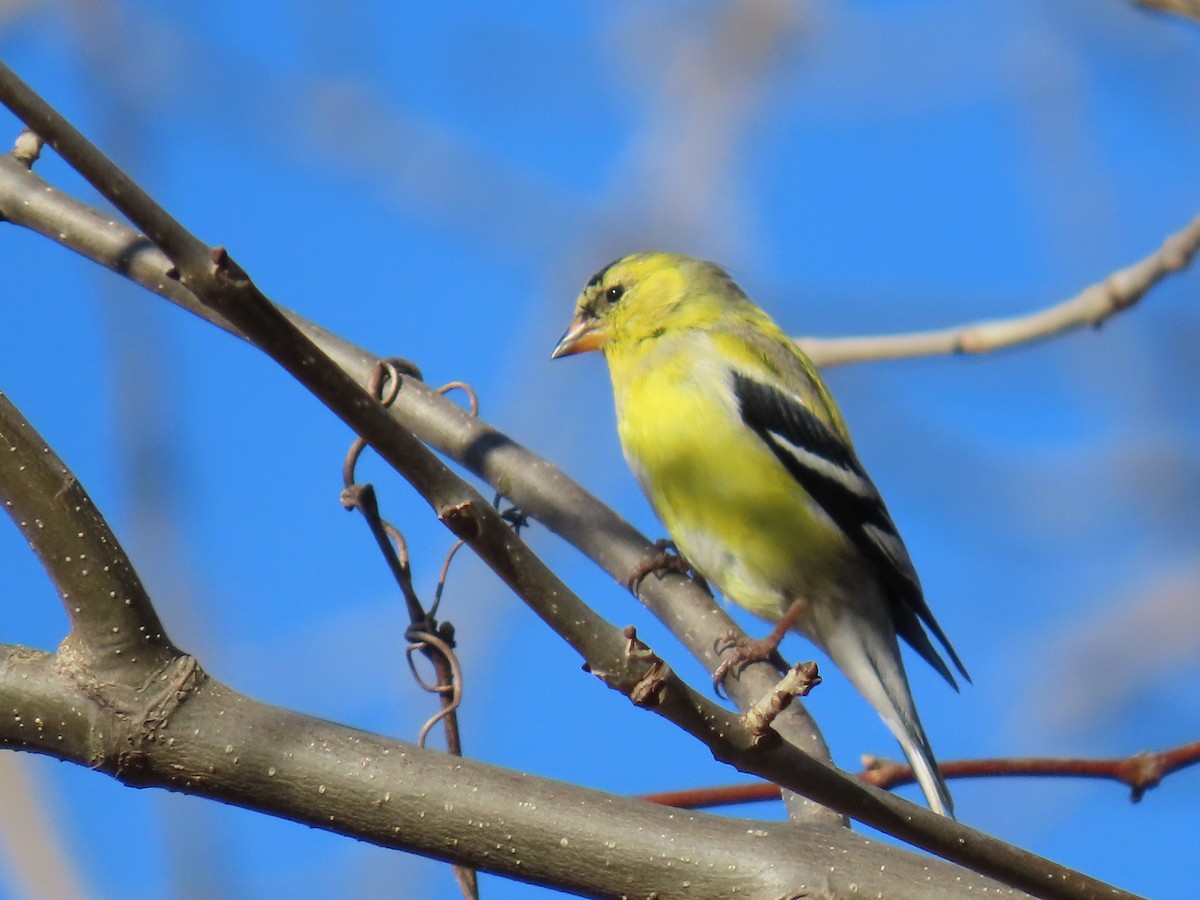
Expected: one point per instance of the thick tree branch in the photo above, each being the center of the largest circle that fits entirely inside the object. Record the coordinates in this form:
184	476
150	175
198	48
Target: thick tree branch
1091	307
213	742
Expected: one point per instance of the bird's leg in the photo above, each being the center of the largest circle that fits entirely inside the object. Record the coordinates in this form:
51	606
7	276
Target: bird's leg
741	651
667	558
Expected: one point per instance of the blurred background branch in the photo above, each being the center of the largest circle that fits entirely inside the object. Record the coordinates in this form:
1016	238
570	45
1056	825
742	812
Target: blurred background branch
1092	307
1189	8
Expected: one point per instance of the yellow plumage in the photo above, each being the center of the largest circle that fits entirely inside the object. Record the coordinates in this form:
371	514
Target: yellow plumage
746	460
717	489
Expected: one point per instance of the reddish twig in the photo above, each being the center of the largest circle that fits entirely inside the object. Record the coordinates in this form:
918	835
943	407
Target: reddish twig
706	798
1141	772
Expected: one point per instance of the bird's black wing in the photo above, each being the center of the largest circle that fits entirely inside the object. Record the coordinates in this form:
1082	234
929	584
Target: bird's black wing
828	469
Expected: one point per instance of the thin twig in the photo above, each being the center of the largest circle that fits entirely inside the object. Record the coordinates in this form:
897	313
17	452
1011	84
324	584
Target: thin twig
362	498
1141	772
1091	307
440	587
425	642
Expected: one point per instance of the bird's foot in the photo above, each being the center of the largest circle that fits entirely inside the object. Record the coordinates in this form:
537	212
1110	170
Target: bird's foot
739	651
667	558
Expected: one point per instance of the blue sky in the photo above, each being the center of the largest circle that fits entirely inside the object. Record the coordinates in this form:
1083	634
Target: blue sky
438	180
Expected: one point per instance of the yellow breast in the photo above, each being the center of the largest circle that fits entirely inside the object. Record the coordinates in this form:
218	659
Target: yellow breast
731	508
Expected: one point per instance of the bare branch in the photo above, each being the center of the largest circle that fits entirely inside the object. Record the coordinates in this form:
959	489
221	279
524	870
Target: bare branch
533	483
1188	8
424	634
1091	307
113	624
1141	772
223	745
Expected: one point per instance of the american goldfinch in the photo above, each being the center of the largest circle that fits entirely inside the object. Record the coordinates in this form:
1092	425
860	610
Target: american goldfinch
745	458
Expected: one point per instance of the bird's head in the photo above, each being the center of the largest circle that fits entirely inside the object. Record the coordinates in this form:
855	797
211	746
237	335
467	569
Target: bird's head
643	296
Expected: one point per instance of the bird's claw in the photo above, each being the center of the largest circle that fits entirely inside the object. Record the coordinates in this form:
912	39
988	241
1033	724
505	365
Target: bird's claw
667	558
738	651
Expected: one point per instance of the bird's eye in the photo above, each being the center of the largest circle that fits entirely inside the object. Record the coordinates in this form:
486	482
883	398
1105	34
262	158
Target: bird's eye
614	293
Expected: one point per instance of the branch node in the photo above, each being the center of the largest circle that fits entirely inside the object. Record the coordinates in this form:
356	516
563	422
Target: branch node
884	773
148	711
225	269
356	496
461	519
27	148
1141	772
970	341
799	680
650	687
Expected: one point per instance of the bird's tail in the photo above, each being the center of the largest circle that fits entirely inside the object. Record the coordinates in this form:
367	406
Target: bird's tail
871	660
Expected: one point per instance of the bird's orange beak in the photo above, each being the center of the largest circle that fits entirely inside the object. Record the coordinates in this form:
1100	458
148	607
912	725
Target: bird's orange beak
582	335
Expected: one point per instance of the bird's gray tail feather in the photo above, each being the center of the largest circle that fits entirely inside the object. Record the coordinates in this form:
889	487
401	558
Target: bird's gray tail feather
871	660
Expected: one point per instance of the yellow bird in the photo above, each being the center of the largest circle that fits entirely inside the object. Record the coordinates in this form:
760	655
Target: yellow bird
745	458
